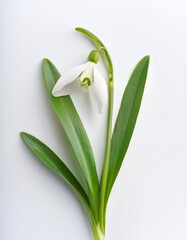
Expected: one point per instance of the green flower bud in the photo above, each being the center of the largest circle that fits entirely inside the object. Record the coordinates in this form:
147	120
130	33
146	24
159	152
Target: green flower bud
94	56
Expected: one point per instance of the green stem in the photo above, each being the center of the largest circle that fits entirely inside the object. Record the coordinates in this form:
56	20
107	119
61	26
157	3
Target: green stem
102	209
108	63
95	227
97	233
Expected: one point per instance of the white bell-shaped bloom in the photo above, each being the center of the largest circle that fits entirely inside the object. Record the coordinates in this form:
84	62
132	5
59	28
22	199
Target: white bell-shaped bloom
83	76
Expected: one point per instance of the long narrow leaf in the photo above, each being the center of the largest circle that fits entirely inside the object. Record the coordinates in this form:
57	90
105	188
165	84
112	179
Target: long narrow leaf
126	120
49	158
73	127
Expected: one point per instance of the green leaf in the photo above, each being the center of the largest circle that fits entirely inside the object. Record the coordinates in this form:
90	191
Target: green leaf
48	157
126	120
74	129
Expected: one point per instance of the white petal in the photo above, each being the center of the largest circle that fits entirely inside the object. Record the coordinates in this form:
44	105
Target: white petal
66	79
69	88
98	92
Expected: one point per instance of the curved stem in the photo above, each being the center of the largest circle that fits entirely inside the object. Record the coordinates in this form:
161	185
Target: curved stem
108	63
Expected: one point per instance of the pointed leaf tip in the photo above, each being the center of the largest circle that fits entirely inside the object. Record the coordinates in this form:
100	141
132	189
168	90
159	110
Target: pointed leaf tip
45	60
146	58
23	134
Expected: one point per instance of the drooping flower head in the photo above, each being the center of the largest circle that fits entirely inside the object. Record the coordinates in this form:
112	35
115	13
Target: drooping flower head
84	76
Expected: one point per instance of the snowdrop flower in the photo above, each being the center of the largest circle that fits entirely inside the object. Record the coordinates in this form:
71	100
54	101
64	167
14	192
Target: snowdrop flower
84	76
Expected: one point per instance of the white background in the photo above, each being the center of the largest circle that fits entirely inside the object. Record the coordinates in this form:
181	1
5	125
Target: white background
149	200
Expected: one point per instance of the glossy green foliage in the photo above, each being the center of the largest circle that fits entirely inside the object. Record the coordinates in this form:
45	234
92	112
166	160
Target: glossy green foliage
126	120
74	129
48	157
